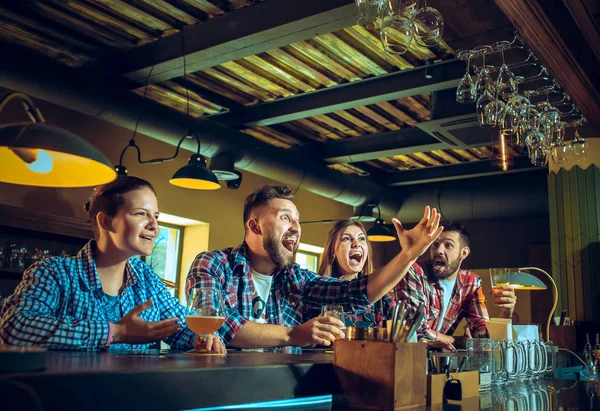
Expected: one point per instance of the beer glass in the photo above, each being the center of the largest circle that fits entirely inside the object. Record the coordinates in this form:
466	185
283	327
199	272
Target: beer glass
206	312
480	358
336	311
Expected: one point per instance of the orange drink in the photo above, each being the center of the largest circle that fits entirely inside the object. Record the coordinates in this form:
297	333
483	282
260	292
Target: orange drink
204	325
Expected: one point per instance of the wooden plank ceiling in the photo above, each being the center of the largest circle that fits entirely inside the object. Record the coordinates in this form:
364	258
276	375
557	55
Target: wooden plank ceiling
79	33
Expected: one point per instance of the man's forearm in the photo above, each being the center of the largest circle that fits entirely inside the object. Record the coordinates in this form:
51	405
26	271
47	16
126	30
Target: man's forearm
445	338
386	278
253	335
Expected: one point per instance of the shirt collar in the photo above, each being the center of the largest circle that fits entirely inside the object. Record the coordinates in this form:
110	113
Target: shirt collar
242	259
89	273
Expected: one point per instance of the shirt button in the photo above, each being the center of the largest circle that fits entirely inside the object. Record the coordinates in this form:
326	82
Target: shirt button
292	303
271	316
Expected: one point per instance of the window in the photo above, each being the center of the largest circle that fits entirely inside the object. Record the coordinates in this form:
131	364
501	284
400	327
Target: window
309	256
166	256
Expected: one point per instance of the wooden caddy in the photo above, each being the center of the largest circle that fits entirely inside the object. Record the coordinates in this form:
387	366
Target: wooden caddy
381	375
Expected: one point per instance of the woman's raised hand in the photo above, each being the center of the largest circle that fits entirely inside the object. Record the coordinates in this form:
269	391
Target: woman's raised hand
416	241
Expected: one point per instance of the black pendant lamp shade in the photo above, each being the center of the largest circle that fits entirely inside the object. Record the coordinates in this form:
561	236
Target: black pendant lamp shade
196	175
380	233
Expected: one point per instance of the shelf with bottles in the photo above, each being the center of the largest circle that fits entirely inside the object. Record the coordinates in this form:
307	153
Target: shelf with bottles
20	248
28	236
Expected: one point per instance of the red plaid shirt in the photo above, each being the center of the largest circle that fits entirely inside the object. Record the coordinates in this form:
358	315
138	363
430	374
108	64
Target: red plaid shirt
296	294
468	300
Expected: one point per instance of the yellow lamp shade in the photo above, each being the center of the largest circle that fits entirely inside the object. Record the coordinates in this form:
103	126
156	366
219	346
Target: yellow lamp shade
36	154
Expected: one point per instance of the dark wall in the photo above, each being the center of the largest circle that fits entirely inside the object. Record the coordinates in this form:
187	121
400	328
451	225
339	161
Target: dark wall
502	242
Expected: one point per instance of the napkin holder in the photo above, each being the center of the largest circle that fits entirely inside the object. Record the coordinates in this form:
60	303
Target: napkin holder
380	375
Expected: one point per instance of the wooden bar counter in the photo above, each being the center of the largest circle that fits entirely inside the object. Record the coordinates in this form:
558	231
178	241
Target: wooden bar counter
165	380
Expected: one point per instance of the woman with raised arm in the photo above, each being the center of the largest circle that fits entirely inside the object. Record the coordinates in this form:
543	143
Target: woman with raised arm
347	255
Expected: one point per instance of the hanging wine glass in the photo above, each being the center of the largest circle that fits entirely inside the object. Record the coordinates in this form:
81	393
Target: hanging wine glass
487	110
579	146
465	93
484	81
559	152
538	155
368	13
506	118
506	83
429	26
396	34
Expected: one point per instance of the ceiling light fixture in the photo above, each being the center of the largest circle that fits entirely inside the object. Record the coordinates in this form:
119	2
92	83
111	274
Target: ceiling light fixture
195	175
36	154
379	233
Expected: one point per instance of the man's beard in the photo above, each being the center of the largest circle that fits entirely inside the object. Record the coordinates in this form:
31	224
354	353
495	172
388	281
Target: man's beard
449	269
277	252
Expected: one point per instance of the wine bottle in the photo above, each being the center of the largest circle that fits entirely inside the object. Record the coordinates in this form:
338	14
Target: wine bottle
588	353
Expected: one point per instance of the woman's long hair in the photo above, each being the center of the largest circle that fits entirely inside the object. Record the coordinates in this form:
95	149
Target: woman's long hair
329	266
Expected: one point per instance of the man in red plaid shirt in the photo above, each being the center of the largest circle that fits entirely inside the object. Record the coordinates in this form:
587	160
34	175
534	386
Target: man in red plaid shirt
268	297
448	293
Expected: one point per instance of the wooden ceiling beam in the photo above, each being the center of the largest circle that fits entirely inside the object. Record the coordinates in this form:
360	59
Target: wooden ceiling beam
251	30
424	79
550	30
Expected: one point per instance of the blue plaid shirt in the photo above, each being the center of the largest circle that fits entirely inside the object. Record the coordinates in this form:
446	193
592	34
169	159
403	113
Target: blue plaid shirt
60	304
296	294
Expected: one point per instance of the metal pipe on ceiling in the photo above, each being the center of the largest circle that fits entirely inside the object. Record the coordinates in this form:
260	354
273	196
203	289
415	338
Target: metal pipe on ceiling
502	196
64	87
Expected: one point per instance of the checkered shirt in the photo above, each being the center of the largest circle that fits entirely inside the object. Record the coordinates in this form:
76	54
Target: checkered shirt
468	300
60	305
296	294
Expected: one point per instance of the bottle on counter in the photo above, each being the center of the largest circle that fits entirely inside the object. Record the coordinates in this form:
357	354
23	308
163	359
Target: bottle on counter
588	352
597	351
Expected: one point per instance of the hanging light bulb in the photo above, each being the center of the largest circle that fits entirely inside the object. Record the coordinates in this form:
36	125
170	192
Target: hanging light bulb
38	161
504	154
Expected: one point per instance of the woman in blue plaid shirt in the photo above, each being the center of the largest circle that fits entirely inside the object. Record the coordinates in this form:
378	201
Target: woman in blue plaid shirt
104	297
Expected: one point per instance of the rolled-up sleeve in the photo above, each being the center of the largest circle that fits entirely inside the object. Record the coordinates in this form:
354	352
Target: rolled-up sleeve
411	290
477	313
352	295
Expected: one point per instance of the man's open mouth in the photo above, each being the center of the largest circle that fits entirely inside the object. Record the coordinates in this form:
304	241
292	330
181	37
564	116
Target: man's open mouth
289	243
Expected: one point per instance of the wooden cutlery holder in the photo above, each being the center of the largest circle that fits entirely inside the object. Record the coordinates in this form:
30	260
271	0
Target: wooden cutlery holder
381	375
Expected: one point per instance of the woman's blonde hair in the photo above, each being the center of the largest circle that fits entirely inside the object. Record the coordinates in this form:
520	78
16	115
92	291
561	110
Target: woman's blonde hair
329	266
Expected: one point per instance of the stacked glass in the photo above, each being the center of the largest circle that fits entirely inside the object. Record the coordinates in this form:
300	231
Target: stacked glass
507	361
539	127
401	23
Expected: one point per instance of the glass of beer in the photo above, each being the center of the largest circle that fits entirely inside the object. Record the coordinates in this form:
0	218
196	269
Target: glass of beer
206	312
499	278
335	311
